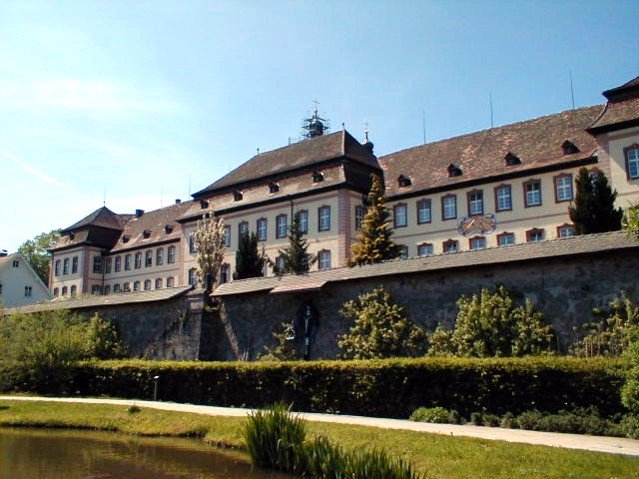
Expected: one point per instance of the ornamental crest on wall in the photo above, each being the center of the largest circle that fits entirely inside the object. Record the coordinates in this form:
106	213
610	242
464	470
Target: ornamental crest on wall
477	224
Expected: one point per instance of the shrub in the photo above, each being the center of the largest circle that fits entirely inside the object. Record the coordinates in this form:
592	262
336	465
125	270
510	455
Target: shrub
454	417
578	421
509	421
491	420
134	409
284	348
431	414
380	329
490	324
630	426
477	419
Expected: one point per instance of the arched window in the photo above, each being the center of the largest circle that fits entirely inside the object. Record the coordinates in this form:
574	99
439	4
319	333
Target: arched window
137	286
74	290
170	282
158	283
64	290
147	285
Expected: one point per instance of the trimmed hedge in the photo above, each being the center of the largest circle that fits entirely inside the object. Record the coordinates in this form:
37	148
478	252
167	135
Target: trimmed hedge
384	388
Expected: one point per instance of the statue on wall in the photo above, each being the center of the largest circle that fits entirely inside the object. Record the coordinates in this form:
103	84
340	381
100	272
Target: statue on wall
306	324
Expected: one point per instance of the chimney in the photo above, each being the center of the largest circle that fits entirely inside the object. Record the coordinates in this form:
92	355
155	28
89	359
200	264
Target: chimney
139	213
3	253
178	201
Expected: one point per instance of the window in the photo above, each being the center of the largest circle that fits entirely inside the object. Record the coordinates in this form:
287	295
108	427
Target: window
303	216
324	259
127	262
204	204
503	198
360	212
159	256
192	246
273	187
138	260
192	277
318	176
475	203
632	161
477	242
16	263
117	267
126	287
170	282
74	291
65	290
565	231
147	285
424	249
146	234
563	187
403	181
109	264
74	265
117	288
506	239
324	218
107	289
281	226
137	286
279	263
454	171
403	252
450	246
532	193
400	216
225	273
95	289
261	229
424	214
148	260
512	160
57	267
97	264
27	291
227	236
170	257
65	267
158	283
535	235
449	207
56	291
242	229
569	148
238	196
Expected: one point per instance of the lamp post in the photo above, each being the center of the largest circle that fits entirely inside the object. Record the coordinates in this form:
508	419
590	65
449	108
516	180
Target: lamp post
155	387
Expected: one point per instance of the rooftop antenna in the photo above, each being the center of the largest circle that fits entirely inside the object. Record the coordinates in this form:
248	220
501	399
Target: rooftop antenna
424	125
572	90
366	130
258	150
343	126
492	122
104	196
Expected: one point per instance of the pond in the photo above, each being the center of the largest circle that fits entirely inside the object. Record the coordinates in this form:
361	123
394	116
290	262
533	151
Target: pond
71	454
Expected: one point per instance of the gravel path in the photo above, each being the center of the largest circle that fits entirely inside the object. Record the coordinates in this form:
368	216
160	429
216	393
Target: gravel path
611	445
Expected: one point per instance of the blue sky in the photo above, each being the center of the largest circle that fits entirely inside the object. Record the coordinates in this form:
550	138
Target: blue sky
144	98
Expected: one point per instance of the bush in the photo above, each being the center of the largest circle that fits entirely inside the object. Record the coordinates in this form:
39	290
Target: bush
630	426
438	415
496	385
578	421
509	421
491	420
477	419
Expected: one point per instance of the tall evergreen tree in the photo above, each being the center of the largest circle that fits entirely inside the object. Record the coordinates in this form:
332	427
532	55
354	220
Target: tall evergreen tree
295	257
594	208
249	261
375	242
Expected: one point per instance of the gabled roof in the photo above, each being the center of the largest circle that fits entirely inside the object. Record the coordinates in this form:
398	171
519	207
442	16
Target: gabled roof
622	92
481	155
102	217
5	260
298	155
577	245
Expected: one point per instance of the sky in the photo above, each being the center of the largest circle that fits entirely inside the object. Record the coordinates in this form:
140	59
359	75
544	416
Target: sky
139	103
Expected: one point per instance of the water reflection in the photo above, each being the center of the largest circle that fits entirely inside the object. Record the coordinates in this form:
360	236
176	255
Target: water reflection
60	454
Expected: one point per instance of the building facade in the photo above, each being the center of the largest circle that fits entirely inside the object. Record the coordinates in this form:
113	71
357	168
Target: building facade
494	188
20	285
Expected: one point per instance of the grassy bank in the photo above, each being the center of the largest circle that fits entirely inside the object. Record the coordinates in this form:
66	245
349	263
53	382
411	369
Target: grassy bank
435	455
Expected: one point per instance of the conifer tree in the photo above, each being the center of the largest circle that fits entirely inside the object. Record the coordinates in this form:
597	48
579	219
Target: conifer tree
249	262
375	243
295	258
594	209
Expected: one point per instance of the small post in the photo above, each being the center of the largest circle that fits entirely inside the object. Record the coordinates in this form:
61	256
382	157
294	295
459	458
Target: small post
155	387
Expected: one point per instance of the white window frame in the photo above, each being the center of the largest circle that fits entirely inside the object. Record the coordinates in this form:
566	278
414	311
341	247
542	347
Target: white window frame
424	211
449	207
400	216
324	218
324	259
563	188
262	229
476	203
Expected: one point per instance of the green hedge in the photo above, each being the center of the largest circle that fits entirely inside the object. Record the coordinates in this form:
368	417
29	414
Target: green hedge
385	388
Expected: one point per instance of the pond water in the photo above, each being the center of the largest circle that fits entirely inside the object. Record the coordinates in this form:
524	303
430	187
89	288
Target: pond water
65	454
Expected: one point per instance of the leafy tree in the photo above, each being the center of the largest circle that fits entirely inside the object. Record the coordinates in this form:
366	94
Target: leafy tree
630	221
630	390
594	209
612	333
36	251
380	329
249	261
210	241
295	258
284	349
375	242
490	324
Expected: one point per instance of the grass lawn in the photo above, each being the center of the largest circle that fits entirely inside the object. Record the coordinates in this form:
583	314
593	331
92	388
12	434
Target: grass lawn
437	456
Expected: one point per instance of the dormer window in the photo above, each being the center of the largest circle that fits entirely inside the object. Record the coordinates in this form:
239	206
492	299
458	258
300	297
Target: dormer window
404	181
71	236
146	234
238	195
125	239
569	148
168	229
512	159
273	187
204	204
454	171
318	176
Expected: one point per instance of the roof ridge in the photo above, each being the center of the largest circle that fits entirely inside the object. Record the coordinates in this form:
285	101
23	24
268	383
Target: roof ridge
488	130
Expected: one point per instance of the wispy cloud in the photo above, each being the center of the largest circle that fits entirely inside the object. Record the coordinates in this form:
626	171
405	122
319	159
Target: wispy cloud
30	169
